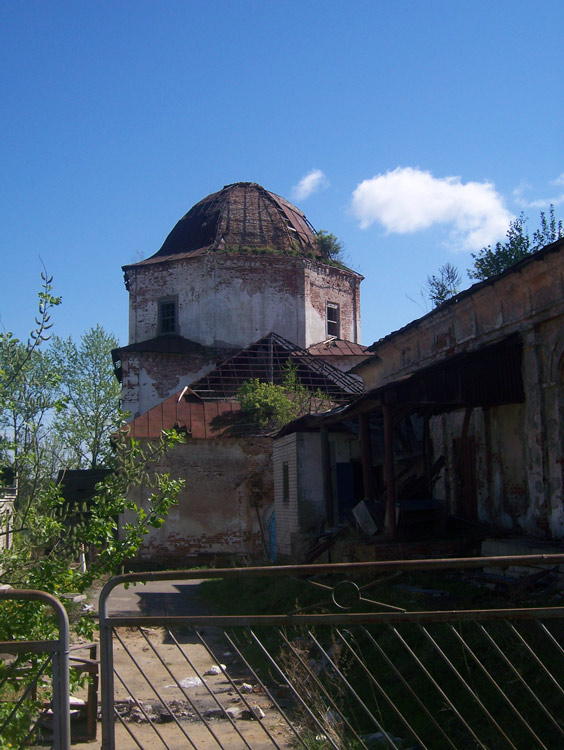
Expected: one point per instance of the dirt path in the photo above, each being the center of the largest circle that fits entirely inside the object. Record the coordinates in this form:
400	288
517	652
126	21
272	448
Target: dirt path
150	665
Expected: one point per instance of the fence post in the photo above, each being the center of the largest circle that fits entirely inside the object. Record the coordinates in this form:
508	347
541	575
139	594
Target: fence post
60	662
106	670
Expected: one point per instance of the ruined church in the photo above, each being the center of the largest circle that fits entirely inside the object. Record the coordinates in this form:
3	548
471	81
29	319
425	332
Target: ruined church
239	287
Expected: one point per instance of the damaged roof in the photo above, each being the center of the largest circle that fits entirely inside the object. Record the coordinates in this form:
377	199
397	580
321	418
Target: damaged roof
240	218
485	377
204	408
338	348
267	360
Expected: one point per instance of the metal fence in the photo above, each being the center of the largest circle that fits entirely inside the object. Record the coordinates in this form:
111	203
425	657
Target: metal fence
35	691
407	654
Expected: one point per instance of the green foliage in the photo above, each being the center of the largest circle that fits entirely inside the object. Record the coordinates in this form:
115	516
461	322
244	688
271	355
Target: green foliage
51	534
518	245
549	231
28	396
91	396
71	380
45	552
444	285
266	405
329	246
269	406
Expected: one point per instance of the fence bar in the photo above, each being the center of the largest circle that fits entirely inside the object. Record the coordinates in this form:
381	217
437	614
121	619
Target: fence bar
60	650
366	612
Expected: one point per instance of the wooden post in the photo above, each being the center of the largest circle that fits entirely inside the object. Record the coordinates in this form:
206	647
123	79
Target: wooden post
366	455
390	478
326	470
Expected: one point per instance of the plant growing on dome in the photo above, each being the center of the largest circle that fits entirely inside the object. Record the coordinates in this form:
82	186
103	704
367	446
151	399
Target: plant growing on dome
329	246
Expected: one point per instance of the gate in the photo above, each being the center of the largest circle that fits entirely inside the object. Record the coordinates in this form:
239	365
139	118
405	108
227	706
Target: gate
405	654
24	691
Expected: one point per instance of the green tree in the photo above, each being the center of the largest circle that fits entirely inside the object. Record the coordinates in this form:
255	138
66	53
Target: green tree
444	285
329	246
50	533
45	551
549	231
91	395
28	396
518	245
267	406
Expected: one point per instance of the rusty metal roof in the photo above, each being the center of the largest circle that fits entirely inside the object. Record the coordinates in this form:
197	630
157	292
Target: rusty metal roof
241	218
197	418
338	348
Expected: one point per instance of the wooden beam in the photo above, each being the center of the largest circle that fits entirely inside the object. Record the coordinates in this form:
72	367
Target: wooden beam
326	470
366	456
390	478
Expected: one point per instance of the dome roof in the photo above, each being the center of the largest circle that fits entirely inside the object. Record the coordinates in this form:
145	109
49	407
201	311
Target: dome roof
241	218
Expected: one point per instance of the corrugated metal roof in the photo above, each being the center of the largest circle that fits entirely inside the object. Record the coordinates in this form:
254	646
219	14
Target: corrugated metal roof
196	417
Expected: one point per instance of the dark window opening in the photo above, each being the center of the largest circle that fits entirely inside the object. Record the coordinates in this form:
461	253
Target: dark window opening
167	316
285	482
333	319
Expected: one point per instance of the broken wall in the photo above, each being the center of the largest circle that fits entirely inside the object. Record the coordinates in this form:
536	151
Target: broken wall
514	453
228	489
231	301
150	377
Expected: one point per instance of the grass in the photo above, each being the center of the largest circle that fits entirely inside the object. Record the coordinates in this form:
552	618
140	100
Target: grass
390	692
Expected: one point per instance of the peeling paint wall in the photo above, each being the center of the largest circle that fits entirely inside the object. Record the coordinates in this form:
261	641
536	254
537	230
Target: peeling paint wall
519	448
228	483
232	301
148	378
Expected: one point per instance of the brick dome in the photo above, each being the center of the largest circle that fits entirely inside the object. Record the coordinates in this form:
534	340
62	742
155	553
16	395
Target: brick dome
241	218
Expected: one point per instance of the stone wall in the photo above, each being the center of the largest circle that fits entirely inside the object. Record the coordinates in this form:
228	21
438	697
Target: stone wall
228	486
232	301
150	377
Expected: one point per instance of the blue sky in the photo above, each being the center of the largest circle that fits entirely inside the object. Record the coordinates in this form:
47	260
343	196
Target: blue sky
421	127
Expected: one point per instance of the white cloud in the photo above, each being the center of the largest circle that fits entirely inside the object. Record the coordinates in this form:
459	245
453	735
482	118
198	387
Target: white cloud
310	183
540	203
407	200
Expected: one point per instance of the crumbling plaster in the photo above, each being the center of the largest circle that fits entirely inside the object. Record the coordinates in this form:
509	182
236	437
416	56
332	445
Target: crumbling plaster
519	448
228	300
148	378
228	485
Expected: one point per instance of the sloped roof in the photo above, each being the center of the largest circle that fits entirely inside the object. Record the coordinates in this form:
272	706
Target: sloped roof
199	408
240	218
267	360
528	260
169	344
194	416
338	348
485	377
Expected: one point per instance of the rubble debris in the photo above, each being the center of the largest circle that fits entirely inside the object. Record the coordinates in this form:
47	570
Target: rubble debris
254	712
140	712
216	669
